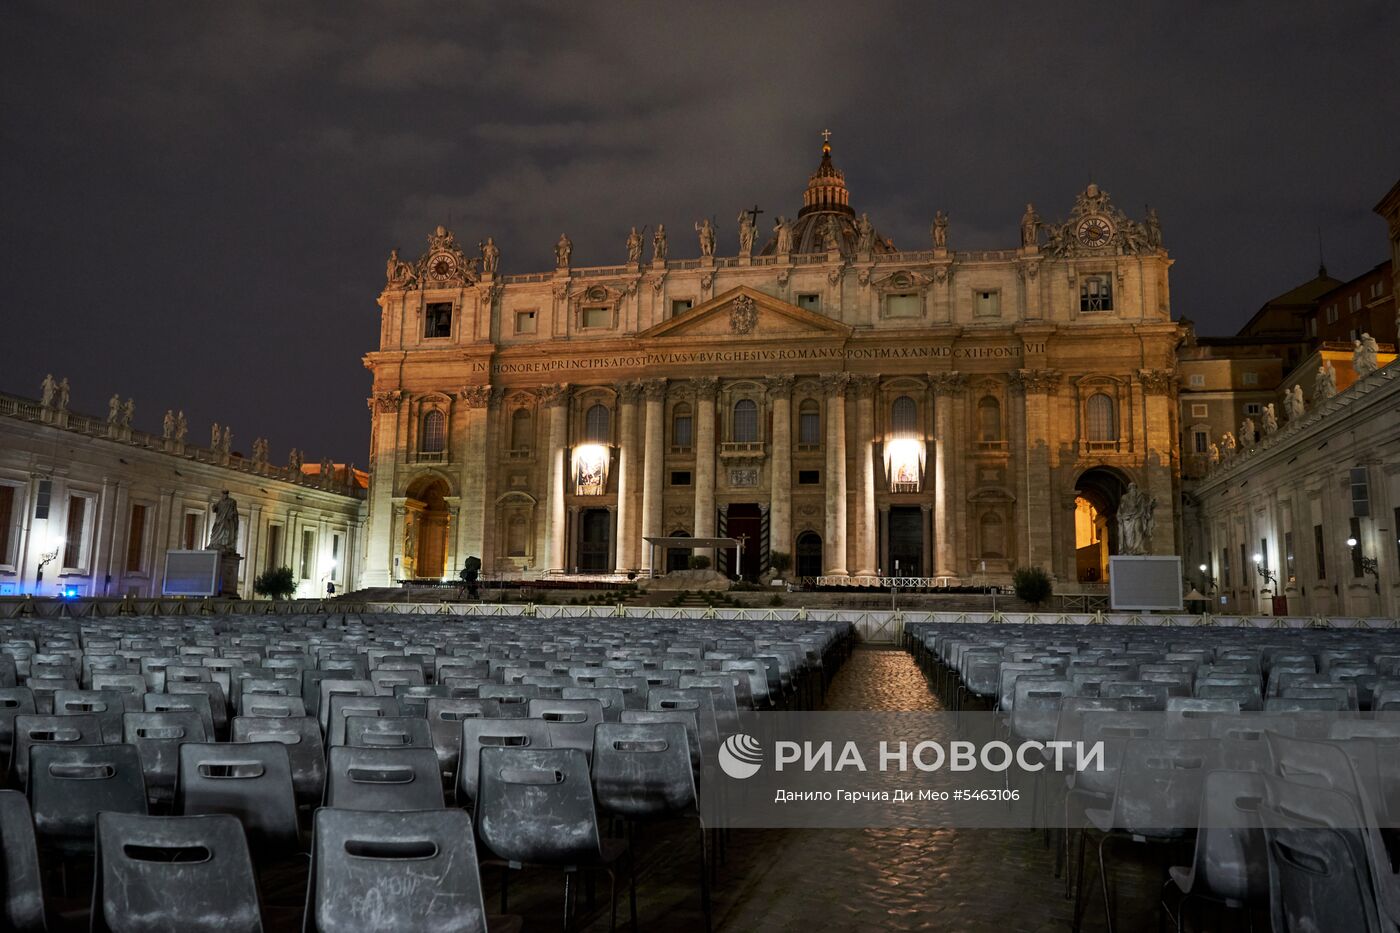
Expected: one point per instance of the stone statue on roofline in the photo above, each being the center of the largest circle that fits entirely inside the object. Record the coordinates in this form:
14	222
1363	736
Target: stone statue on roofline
182	427
658	244
1293	403
1248	433
62	402
167	425
1270	420
128	413
865	235
1364	356
490	257
706	232
745	233
782	236
939	231
47	390
563	250
1326	385
1227	447
1213	457
114	410
1030	227
634	246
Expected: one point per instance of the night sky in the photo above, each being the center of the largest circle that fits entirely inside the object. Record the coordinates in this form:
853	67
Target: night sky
199	197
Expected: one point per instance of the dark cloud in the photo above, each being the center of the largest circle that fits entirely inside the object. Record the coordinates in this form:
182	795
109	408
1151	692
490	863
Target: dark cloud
199	196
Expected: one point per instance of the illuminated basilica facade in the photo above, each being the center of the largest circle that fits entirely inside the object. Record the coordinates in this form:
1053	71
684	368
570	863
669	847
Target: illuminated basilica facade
866	409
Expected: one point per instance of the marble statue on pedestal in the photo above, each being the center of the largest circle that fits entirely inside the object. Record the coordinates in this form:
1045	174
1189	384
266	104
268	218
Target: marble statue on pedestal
128	413
1293	406
634	246
865	235
782	236
167	425
1248	433
1227	447
745	233
114	410
563	250
1135	521
223	535
490	257
182	427
47	391
62	401
658	244
1030	227
706	232
1270	420
1326	385
939	232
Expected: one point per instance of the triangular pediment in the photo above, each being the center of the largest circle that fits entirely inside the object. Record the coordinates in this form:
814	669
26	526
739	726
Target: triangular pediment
744	313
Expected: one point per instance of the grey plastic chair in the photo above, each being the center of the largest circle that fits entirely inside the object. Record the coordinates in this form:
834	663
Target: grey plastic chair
418	869
69	785
536	808
343	707
21	885
306	752
157	738
383	779
1230	864
483	733
107	705
387	732
167	702
267	705
34	729
158	874
252	781
570	722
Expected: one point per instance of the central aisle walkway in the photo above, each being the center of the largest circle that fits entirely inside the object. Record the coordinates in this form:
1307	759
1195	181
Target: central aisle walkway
889	879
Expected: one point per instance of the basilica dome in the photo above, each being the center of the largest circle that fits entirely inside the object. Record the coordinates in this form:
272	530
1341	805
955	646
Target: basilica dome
827	201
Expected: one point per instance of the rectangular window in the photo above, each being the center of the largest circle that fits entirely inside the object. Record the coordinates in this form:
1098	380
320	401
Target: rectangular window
274	547
7	517
987	303
681	432
136	539
1356	569
190	535
1360	494
1250	379
1225	567
680	477
1319	552
525	322
1354	303
1331	314
1198	380
1201	441
1244	566
809	477
74	545
1252	408
437	319
809	427
1095	293
1200	411
810	302
1377	288
1312	327
597	317
41	499
681	306
308	553
1290	566
336	573
908	305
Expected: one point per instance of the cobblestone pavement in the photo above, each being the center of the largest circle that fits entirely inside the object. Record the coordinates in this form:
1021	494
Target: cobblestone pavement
775	881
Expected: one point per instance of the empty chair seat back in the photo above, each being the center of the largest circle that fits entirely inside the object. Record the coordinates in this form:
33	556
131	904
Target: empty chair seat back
252	781
445	717
196	702
157	738
131	686
32	729
107	705
536	806
329	687
359	778
21	886
570	722
70	784
643	770
397	872
344	707
218	703
413	698
485	733
155	874
514	699
387	732
306	752
14	701
266	705
610	698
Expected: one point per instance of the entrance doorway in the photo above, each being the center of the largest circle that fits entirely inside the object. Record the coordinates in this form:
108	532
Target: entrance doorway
425	550
745	524
809	554
594	538
906	541
678	558
1098	492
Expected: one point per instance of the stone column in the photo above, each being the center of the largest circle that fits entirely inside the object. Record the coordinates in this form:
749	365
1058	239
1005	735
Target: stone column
834	545
556	400
653	463
471	529
624	542
780	471
705	390
1158	433
866	558
1038	385
947	387
381	536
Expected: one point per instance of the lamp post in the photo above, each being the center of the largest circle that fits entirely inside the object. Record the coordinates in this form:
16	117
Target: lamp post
46	558
1367	564
1207	581
1270	580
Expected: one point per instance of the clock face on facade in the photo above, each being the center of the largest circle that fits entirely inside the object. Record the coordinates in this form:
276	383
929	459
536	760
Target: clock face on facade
1094	231
442	266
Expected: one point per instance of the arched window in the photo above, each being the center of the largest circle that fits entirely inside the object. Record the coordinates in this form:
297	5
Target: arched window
1103	419
993	536
809	423
595	424
681	423
745	430
520	430
904	416
434	432
989	419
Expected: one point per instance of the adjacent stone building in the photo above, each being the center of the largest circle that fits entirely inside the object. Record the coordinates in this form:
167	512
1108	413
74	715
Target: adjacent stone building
96	504
866	408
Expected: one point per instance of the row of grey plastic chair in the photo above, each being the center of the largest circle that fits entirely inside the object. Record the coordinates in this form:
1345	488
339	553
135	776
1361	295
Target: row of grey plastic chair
395	861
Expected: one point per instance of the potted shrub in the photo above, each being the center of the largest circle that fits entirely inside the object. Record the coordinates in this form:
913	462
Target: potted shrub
1032	585
275	583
